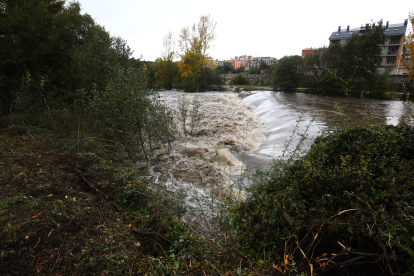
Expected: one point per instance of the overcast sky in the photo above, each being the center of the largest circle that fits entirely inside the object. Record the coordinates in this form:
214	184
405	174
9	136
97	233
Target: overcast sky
258	27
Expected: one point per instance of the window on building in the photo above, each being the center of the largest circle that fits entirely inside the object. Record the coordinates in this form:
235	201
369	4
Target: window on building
392	51
394	40
390	61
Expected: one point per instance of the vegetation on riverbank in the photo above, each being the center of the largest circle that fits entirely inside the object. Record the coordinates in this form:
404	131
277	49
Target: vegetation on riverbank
68	211
344	208
250	87
348	69
79	127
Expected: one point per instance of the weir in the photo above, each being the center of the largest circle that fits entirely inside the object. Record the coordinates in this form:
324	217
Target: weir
236	134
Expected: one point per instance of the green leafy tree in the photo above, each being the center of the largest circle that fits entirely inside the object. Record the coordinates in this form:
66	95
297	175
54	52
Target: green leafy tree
228	67
96	55
253	70
240	80
288	74
34	38
210	79
349	69
58	46
129	113
317	64
166	74
264	66
359	57
241	69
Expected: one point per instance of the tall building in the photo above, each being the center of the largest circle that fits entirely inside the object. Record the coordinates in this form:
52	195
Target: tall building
389	51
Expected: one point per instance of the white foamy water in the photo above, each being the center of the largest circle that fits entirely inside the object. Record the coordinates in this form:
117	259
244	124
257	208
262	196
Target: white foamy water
234	133
201	162
287	115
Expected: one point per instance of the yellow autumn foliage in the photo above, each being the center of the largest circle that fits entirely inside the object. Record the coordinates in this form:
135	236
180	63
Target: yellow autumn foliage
409	46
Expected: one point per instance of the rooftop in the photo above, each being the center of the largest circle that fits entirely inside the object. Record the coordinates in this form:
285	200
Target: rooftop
393	29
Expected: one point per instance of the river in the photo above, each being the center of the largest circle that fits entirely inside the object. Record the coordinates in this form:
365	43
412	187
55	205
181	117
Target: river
239	131
288	115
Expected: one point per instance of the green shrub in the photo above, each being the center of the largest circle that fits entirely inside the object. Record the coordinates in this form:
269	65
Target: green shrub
331	85
127	112
240	80
352	195
287	75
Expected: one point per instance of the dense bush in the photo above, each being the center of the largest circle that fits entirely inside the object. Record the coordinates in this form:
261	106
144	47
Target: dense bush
288	74
129	113
253	70
350	198
240	80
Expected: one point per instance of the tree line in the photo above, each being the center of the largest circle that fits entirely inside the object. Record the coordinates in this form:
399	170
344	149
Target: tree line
194	69
60	48
61	71
340	69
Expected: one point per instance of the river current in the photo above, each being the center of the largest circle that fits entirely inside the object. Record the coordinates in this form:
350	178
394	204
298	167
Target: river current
246	130
288	115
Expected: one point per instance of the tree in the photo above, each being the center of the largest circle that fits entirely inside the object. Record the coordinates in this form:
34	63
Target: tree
264	66
318	64
31	39
129	113
240	80
228	67
409	48
167	70
194	45
348	69
288	74
57	46
253	70
359	58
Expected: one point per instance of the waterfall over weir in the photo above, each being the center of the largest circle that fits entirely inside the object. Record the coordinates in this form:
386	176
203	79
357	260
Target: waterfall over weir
236	133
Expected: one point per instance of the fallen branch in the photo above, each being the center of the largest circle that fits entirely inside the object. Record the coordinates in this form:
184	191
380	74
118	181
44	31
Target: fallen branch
353	261
323	224
89	183
240	254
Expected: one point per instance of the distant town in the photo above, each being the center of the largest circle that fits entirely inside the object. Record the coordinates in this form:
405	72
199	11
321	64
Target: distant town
247	61
389	51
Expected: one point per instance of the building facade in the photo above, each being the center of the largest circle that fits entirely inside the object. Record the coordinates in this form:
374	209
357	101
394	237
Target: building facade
307	51
219	62
392	47
239	61
249	61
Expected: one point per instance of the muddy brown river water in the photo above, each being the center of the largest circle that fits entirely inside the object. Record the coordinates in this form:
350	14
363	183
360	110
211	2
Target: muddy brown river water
288	113
238	133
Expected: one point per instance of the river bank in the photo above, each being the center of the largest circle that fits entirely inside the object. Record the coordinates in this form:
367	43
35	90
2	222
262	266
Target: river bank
68	212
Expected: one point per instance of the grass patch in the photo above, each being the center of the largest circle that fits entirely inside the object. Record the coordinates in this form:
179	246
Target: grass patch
251	87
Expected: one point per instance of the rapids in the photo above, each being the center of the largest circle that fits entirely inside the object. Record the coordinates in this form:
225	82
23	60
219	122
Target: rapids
238	132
